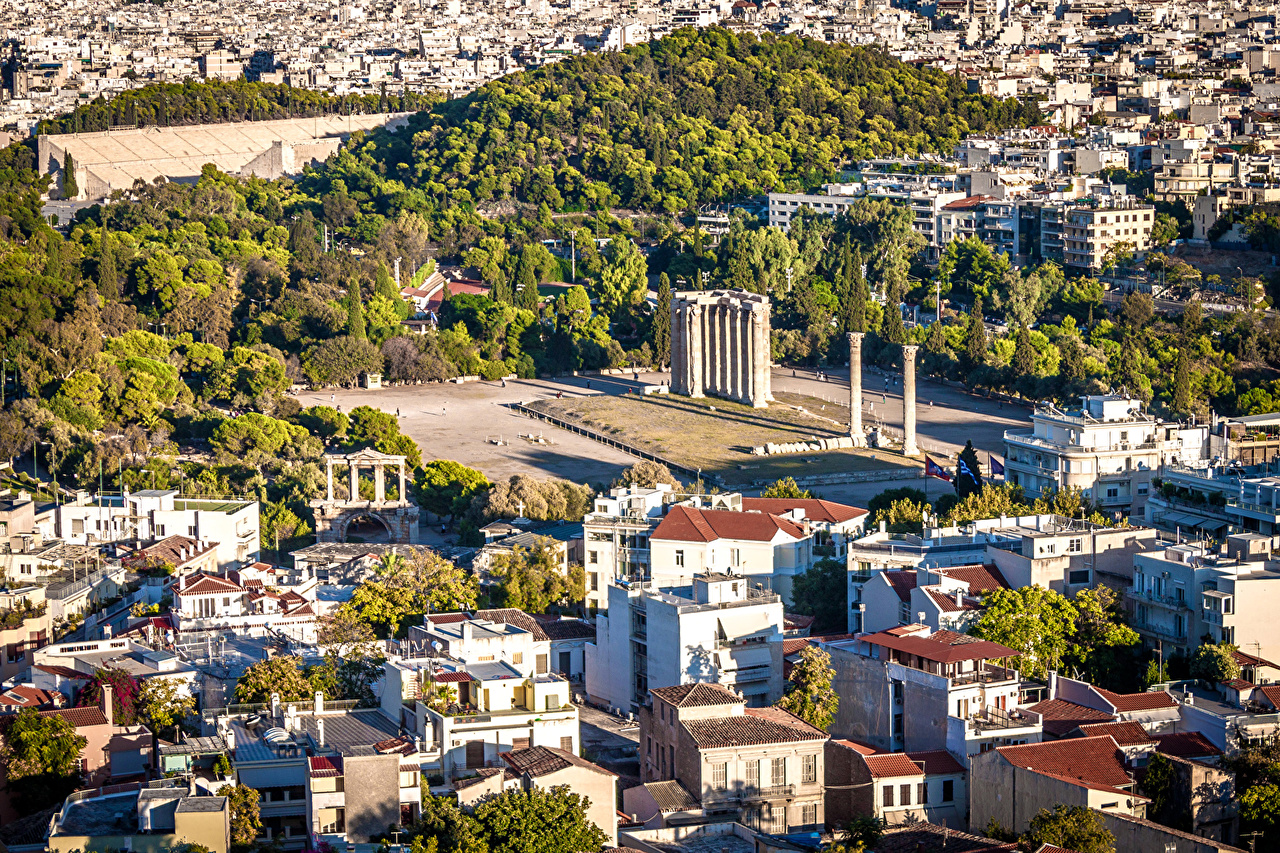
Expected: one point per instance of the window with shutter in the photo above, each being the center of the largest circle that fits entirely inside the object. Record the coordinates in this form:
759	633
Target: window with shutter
906	795
520	743
809	768
753	774
566	743
888	796
779	772
542	664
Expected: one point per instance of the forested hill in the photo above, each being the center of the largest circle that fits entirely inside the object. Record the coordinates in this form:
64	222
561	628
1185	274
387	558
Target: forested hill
698	116
193	102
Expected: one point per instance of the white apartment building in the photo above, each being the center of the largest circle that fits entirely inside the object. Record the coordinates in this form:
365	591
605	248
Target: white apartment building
766	548
157	513
489	693
783	206
1109	449
616	538
722	629
1185	593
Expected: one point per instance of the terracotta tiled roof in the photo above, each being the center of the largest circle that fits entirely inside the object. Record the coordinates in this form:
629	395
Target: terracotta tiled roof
815	509
1094	760
860	748
1249	660
785	718
947	601
979	578
1237	684
891	764
514	616
921	837
1139	701
203	584
404	746
568	629
792	645
325	765
671	796
170	550
79	717
937	761
23	696
1186	745
448	618
797	622
689	524
63	671
696	695
540	760
483	774
745	730
901	582
450	677
1061	716
1127	733
942	646
1272	694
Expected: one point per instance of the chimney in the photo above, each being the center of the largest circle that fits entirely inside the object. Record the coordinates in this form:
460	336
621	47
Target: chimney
1053	684
275	706
319	703
959	598
320	731
107	703
882	525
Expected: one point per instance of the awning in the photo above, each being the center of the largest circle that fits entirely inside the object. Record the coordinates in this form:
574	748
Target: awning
745	658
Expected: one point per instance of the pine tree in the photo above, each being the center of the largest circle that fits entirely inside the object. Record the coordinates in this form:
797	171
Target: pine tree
528	296
70	189
355	312
1182	384
108	278
662	322
1024	357
1072	368
975	337
384	284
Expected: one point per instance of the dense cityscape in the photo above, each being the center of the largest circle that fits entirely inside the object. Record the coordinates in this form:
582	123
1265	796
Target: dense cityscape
754	427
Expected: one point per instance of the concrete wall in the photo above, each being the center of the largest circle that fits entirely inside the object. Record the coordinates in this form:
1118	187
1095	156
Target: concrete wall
1134	835
867	708
372	785
851	795
600	788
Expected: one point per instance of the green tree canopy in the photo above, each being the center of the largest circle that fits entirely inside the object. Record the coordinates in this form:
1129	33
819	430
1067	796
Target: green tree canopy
1075	828
446	487
537	821
40	758
810	694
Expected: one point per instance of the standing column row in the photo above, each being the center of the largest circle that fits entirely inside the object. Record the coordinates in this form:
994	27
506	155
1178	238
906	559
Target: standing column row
909	447
855	390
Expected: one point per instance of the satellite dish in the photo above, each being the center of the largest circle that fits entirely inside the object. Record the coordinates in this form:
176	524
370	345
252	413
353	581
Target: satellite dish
435	644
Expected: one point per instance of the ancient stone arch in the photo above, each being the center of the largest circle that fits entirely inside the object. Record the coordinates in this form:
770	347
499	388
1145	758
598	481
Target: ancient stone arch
334	516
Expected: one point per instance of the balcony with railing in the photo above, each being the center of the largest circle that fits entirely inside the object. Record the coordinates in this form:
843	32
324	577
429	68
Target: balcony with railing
1170	633
750	793
991	718
985	674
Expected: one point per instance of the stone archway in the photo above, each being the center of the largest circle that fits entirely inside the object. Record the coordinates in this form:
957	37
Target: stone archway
334	517
367	528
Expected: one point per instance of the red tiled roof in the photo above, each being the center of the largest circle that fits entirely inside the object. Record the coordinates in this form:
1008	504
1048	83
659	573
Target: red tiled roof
395	744
448	618
325	765
1249	660
1127	733
203	584
1094	760
746	730
23	696
1061	716
947	601
942	646
517	617
541	760
696	695
891	764
797	621
689	524
815	509
1272	693
1139	701
979	578
791	645
785	718
63	671
901	582
449	677
860	748
1185	745
1237	684
966	203
568	629
79	717
937	761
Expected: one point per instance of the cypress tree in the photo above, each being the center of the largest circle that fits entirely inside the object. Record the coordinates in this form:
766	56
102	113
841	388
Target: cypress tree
70	189
975	338
936	341
355	312
858	295
662	322
892	329
108	277
1182	383
968	472
1024	357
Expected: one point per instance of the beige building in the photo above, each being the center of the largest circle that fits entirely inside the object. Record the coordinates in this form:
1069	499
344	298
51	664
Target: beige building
1090	234
762	764
24	627
547	767
894	787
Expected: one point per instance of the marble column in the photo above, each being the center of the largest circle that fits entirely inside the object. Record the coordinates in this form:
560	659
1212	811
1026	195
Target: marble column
379	483
355	481
855	390
696	347
404	496
909	447
740	330
760	358
677	348
328	465
724	358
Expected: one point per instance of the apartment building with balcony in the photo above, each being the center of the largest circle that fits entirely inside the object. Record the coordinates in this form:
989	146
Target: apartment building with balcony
942	599
723	628
488	692
616	538
762	767
1109	448
1188	594
232	526
1091	234
912	688
25	626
